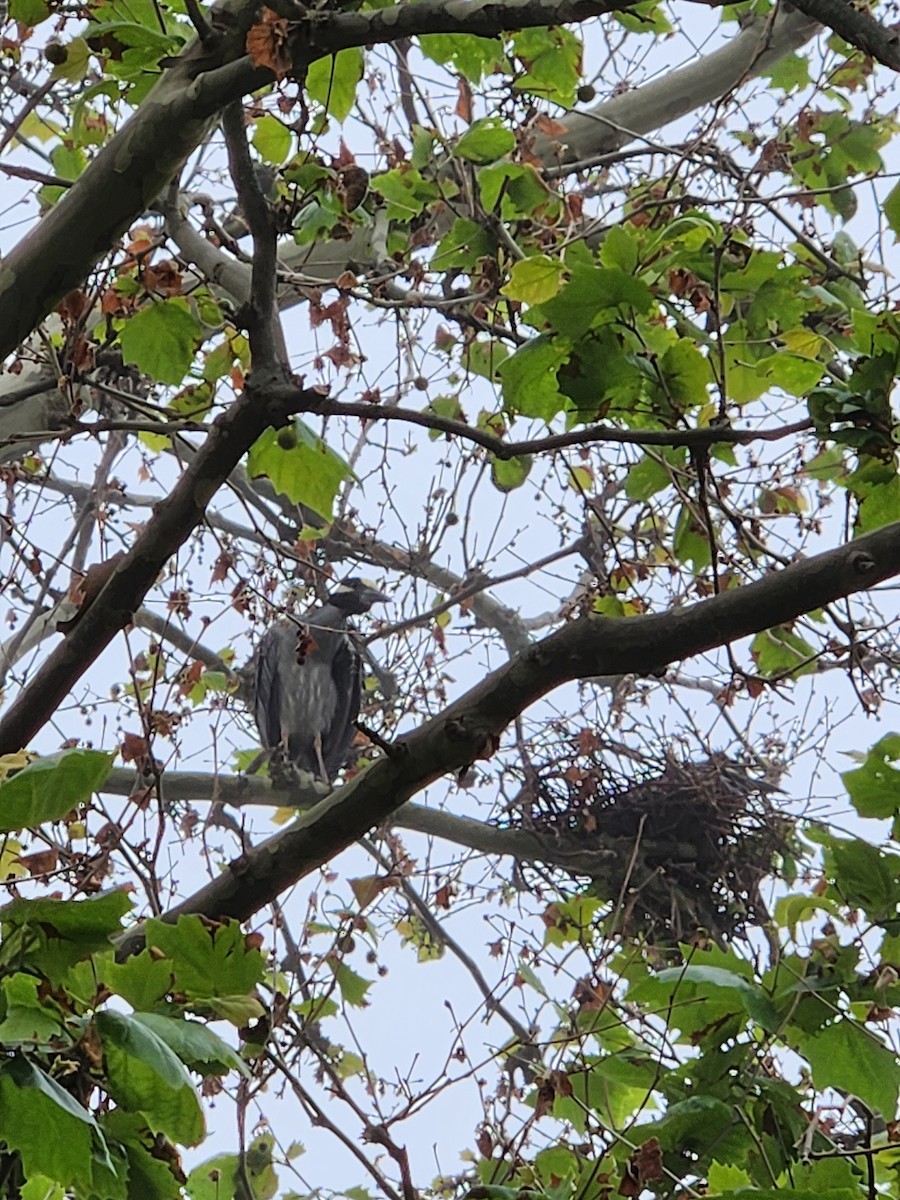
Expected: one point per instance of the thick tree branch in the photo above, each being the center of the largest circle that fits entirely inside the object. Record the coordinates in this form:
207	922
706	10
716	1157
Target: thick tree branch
613	124
858	27
328	32
470	728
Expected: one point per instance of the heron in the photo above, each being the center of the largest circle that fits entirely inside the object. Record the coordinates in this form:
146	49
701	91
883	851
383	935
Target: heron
308	682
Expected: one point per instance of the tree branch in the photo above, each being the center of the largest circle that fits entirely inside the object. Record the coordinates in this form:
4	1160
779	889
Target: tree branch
698	439
858	27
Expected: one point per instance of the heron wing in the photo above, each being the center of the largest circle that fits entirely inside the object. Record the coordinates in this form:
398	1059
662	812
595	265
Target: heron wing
267	688
346	673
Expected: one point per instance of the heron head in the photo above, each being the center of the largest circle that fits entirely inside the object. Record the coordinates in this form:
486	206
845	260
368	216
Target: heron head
355	595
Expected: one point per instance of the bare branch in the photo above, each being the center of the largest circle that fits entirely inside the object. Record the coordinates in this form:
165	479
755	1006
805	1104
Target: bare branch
711	435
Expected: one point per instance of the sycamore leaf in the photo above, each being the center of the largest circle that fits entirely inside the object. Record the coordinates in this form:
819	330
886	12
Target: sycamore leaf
485	141
308	472
161	339
534	280
332	81
48	788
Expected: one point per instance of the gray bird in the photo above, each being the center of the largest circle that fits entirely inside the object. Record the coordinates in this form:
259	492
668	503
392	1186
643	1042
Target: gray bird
309	682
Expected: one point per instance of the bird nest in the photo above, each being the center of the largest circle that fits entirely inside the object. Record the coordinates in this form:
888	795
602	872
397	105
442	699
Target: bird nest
681	851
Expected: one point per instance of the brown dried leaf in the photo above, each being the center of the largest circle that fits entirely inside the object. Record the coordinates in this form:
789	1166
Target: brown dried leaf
222	566
134	747
546	1094
164	278
267	44
368	887
485	1143
464	107
550	128
84	590
42	862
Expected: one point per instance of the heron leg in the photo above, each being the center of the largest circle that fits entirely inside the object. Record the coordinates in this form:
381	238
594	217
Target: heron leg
317	742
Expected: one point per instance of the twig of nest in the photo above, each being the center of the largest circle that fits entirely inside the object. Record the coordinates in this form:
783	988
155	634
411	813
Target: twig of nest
693	842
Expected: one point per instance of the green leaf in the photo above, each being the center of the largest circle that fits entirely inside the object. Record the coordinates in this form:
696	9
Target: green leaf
27	1018
60	932
695	1126
208	962
789	1194
463	245
29	12
866	877
142	979
422	147
685	375
161	339
690	543
650	475
620	249
309	473
224	1176
879	501
353	987
781	652
196	1044
445	406
483	357
556	1162
74	70
793	910
591	297
552	58
485	141
33	1106
702	1003
143	1075
789	73
793	373
534	280
150	1175
472	56
48	788
530	385
755	1002
724	1177
406	191
517	187
507	474
214	1179
892	210
644	17
39	1187
874	788
845	1055
332	81
601	1090
272	139
239	1010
